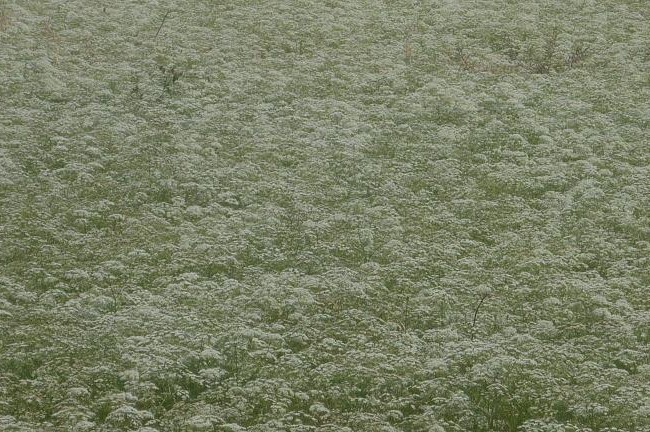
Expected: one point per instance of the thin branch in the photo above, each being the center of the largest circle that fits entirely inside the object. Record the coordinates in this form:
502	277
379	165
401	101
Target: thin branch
476	314
161	24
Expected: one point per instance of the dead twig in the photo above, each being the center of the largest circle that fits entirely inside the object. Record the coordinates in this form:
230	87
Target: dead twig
161	24
486	295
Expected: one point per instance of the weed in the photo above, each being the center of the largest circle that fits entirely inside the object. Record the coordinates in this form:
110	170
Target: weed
170	76
408	52
545	62
5	20
462	58
48	32
579	52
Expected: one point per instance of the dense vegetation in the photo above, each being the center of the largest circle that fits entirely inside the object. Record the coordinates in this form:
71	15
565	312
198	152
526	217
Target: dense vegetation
324	215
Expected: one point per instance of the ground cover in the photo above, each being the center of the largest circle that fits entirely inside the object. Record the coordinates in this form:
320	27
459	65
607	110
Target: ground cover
324	215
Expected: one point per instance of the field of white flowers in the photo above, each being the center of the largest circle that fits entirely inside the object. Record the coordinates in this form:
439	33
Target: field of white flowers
325	215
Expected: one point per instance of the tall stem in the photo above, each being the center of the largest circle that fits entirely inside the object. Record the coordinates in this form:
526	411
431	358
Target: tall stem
478	306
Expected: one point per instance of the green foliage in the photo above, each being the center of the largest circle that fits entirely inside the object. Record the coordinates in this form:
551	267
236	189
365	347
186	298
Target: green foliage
324	216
